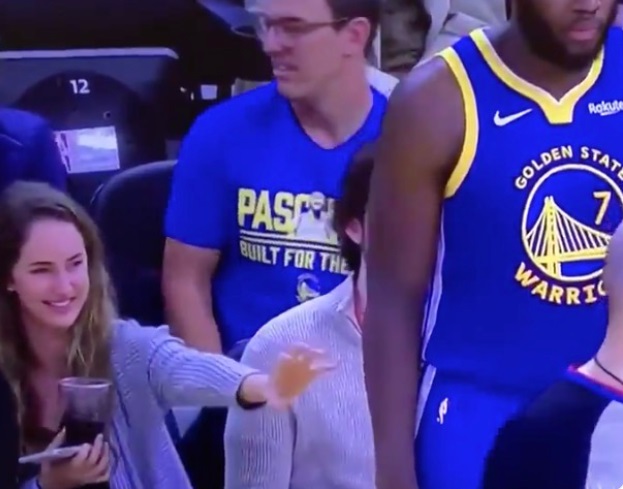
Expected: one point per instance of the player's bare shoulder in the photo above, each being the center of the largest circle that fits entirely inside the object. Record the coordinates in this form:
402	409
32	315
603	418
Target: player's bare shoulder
427	106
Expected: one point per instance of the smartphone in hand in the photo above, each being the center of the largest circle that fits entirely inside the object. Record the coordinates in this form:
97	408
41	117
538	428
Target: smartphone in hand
51	455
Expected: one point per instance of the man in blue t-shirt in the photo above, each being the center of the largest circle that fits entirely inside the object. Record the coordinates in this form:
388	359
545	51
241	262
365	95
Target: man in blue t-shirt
253	192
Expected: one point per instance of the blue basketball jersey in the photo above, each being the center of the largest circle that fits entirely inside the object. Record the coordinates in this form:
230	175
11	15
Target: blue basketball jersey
530	208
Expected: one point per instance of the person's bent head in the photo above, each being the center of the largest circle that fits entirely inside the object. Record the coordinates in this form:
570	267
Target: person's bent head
565	33
311	43
54	290
350	210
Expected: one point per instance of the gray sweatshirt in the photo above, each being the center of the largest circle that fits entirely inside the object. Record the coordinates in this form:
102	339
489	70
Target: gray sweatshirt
325	440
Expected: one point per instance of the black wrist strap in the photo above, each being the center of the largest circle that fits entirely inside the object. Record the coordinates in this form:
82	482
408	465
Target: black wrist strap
242	403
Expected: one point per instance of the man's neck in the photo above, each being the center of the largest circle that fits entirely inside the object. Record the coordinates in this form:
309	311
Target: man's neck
338	112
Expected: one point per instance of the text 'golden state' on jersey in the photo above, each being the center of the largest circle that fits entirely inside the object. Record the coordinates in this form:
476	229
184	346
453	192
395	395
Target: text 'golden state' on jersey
530	209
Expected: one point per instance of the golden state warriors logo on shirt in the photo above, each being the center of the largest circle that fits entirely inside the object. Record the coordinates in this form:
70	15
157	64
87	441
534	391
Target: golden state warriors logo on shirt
573	203
290	230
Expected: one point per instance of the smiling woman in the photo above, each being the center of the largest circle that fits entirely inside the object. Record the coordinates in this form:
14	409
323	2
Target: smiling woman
57	321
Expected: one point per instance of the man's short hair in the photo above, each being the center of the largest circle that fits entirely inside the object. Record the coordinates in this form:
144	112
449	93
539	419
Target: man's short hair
351	9
353	202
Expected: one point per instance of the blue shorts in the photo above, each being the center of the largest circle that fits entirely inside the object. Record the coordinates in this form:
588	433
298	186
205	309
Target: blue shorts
458	425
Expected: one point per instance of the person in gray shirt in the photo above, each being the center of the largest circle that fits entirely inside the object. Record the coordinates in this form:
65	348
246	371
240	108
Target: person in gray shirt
324	440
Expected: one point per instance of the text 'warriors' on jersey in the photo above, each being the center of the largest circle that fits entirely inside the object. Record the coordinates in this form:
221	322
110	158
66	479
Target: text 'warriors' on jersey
518	294
565	236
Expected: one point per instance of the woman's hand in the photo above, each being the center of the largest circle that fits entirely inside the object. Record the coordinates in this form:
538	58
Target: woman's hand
295	370
89	466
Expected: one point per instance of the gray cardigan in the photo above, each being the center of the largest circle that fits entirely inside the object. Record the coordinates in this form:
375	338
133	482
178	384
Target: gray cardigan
153	372
325	440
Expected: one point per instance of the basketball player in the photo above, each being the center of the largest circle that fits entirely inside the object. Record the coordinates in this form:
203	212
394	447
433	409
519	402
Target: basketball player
497	190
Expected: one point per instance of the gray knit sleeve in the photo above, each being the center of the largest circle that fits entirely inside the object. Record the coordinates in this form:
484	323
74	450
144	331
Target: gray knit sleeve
178	375
259	444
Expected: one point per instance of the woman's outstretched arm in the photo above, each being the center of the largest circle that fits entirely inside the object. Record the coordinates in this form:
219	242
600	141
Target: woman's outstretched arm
182	376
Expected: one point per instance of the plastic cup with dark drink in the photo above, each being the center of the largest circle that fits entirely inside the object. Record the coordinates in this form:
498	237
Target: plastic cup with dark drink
87	405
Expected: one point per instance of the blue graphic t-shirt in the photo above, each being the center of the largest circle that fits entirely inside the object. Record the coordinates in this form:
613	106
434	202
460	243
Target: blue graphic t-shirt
252	184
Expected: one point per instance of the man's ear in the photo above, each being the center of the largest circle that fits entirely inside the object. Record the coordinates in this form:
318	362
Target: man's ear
354	231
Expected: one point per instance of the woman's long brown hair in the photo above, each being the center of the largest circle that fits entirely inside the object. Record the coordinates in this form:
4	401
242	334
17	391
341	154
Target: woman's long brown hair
88	355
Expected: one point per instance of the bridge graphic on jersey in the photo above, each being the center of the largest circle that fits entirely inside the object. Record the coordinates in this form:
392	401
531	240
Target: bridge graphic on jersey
557	238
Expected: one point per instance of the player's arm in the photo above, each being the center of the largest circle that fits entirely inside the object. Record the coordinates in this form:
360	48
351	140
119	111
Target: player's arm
422	137
196	229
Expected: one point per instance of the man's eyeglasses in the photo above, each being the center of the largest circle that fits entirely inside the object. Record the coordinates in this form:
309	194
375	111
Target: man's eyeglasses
289	29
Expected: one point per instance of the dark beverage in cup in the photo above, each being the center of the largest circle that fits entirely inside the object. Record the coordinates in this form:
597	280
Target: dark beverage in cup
87	412
87	408
79	432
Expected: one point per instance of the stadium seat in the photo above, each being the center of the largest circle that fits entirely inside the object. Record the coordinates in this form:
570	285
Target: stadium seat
111	109
129	210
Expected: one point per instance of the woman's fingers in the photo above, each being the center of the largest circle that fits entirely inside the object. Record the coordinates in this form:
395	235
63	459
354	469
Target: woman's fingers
58	440
102	469
96	452
98	465
323	365
313	359
81	457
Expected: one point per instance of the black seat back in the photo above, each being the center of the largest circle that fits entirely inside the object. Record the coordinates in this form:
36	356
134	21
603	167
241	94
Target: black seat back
129	210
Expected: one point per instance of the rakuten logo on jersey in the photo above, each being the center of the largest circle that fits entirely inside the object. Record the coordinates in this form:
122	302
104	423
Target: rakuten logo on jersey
606	108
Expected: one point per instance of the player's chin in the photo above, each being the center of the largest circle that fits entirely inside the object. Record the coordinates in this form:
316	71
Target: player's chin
578	57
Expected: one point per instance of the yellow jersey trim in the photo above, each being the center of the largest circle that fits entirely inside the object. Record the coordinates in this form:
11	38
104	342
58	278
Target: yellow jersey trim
470	110
556	111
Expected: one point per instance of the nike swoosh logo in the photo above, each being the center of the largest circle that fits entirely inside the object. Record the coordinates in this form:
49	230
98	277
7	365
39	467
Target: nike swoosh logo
503	121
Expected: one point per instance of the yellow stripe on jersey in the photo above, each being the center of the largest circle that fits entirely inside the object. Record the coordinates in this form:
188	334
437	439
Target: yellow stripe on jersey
556	111
470	110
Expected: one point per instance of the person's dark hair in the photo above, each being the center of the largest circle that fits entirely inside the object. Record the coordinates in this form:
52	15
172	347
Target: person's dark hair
351	9
353	202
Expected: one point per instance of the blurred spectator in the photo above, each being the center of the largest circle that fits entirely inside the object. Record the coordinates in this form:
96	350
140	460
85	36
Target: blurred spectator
28	150
404	24
248	223
9	437
619	19
325	439
57	320
453	19
414	30
570	436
